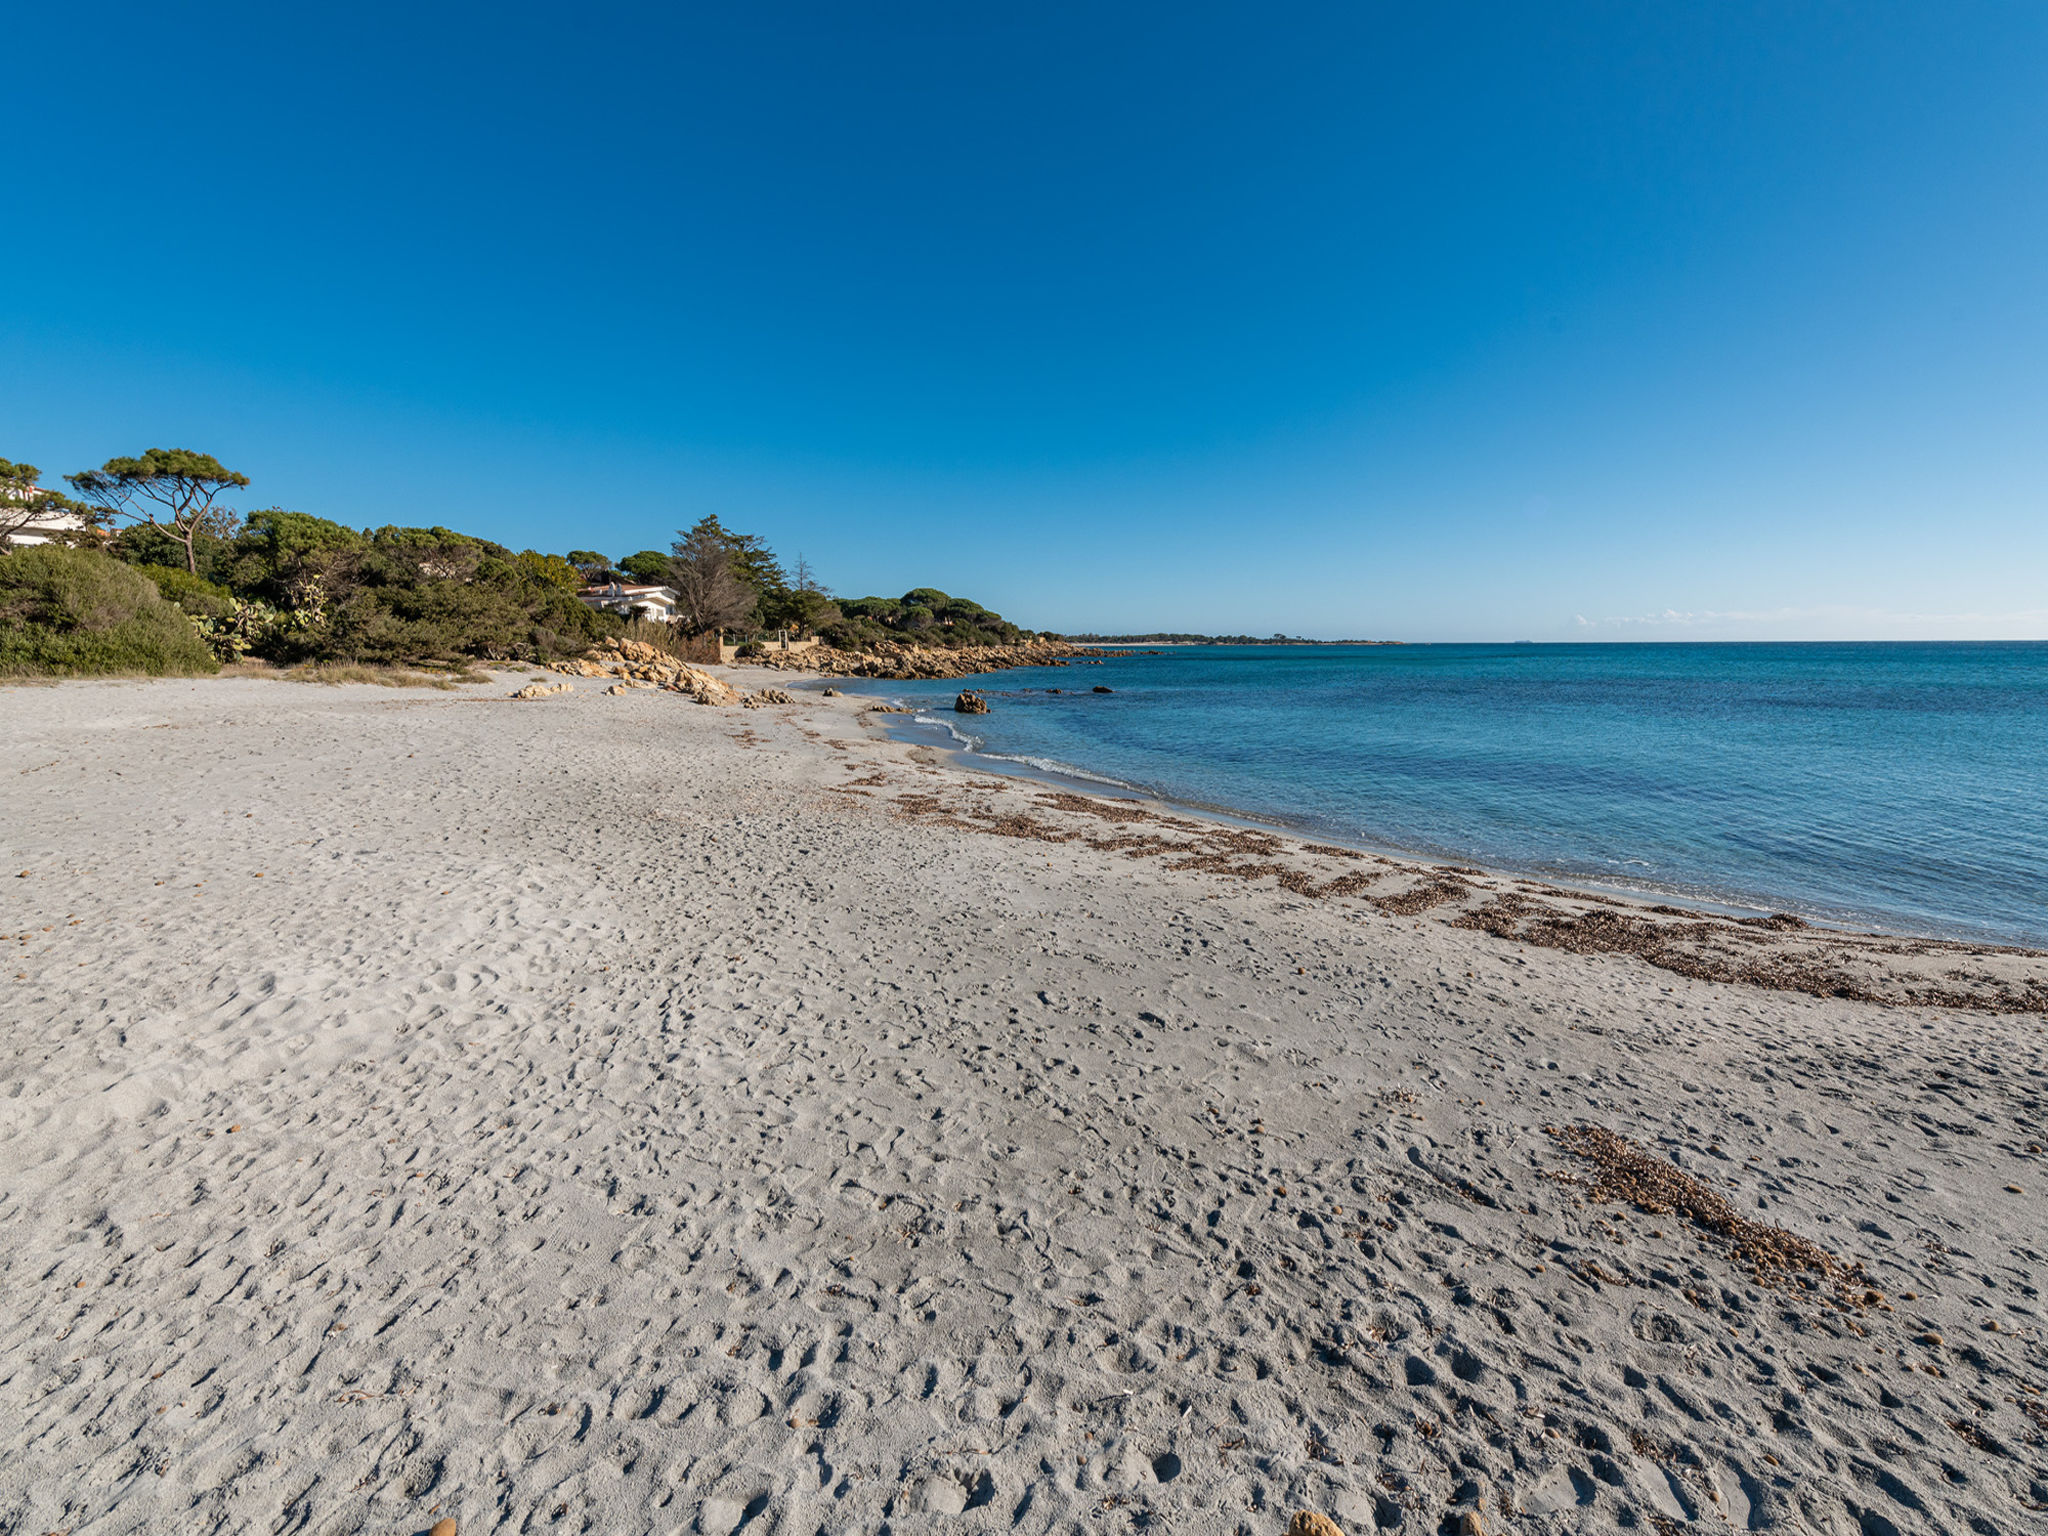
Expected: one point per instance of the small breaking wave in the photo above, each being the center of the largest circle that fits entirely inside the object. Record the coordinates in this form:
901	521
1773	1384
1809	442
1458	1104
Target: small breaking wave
967	742
972	744
1053	765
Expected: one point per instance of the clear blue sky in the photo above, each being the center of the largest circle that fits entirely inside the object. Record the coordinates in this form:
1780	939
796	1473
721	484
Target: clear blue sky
1443	322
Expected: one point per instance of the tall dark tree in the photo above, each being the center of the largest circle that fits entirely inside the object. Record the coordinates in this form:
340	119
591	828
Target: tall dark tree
709	592
755	564
27	508
173	489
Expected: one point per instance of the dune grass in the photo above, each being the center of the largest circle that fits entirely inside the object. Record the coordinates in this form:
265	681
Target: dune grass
334	674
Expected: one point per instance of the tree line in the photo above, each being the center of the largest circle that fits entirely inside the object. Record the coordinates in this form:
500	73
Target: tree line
288	587
733	582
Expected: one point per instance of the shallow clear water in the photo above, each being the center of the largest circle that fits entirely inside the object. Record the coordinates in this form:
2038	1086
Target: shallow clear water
1903	786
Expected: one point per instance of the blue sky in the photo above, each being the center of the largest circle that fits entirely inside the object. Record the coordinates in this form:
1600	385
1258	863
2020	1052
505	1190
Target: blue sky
1438	322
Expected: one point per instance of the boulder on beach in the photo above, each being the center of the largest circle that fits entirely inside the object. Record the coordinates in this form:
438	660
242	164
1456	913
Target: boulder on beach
640	665
543	690
970	703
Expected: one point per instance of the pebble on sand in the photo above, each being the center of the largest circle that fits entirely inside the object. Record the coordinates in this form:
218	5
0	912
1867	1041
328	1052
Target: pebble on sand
445	1526
1307	1522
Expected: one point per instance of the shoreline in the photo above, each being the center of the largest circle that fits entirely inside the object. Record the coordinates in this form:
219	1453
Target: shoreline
608	1111
1083	780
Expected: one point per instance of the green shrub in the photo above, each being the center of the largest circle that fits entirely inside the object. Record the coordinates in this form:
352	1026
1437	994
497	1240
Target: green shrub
552	568
147	544
425	595
195	594
923	616
79	613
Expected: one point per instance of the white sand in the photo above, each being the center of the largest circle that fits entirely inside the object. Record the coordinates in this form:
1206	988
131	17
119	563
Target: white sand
569	1117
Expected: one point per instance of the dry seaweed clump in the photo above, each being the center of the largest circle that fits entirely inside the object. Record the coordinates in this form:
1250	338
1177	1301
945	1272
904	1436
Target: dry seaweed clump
1625	1171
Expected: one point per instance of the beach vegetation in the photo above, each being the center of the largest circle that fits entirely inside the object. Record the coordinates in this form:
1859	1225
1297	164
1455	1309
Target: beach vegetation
649	567
711	594
671	640
292	589
594	569
924	615
553	568
195	595
333	674
174	490
295	589
770	599
68	612
142	544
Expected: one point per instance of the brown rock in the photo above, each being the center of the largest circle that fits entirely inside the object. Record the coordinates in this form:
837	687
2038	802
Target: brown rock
1307	1522
445	1526
970	703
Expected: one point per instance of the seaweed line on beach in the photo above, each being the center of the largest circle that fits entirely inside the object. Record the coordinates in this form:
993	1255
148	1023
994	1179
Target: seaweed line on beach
1776	1257
1777	952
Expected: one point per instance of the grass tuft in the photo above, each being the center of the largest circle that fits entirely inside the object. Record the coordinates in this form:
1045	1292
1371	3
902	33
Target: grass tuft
334	674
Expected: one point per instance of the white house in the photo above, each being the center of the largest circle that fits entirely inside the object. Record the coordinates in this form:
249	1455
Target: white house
635	602
42	529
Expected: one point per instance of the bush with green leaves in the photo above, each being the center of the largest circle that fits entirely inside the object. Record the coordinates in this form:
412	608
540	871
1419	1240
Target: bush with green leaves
650	567
923	616
197	596
148	545
553	568
297	588
80	613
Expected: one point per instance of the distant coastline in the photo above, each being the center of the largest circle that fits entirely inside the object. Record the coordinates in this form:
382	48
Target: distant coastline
1165	639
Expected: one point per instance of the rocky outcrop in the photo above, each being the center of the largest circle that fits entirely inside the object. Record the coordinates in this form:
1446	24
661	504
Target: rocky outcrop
637	664
905	662
543	690
970	703
765	697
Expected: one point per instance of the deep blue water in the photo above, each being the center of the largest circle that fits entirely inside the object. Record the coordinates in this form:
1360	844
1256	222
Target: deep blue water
1900	786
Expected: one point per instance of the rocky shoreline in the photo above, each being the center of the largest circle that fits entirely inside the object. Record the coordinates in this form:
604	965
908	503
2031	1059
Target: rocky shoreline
930	663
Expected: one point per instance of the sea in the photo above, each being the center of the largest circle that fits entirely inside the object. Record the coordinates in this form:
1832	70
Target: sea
1897	787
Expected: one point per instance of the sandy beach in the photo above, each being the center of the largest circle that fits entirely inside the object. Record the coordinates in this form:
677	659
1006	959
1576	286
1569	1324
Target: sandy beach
615	1114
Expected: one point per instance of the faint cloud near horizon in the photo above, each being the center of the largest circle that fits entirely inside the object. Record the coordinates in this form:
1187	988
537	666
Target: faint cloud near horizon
1829	623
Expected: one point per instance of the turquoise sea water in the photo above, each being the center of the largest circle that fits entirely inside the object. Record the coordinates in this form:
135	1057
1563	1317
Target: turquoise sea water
1898	786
